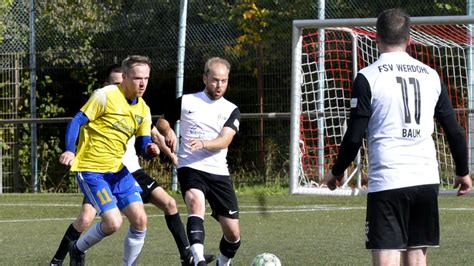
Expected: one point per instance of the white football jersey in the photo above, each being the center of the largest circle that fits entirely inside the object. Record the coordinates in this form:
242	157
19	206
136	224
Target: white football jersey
404	94
130	158
203	118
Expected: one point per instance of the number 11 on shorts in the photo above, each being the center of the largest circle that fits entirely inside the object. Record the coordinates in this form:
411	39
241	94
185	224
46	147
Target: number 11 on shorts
103	196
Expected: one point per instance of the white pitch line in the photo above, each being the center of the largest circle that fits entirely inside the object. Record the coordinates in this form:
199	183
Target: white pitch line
151	205
259	210
312	207
41	204
262	211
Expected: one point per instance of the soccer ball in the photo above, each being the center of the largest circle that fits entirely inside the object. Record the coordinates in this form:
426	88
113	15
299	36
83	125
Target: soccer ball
266	259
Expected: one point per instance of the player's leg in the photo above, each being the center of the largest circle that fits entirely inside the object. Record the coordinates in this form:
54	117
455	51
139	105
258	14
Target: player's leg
415	256
387	238
85	218
385	257
192	187
423	224
152	192
225	209
195	203
82	222
230	241
135	238
109	224
167	204
98	193
130	202
161	199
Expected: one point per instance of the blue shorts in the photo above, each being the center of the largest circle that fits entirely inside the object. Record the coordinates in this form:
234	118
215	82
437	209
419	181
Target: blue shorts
106	191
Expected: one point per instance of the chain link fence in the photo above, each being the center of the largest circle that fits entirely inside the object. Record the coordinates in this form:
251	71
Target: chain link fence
77	40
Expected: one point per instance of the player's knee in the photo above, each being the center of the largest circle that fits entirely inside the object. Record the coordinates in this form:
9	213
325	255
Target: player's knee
195	205
170	206
83	222
139	221
233	235
112	225
112	228
231	228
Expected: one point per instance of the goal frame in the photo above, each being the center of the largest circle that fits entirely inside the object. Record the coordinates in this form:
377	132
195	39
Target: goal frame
296	77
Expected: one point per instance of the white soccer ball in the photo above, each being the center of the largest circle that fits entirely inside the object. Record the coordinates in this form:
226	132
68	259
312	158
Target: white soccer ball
266	259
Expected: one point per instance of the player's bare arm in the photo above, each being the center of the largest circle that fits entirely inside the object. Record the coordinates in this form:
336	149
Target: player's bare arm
165	129
464	183
160	141
221	142
67	158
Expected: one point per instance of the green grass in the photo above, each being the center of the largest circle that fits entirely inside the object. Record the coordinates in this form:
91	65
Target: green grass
300	230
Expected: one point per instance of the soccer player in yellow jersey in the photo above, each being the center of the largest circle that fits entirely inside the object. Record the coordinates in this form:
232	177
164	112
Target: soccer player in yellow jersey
152	192
107	121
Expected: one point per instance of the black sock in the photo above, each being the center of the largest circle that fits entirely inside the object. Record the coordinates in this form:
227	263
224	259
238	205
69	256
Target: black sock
227	248
176	228
71	235
195	230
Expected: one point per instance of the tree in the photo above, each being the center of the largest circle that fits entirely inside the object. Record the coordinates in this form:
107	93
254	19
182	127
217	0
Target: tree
5	5
65	33
263	38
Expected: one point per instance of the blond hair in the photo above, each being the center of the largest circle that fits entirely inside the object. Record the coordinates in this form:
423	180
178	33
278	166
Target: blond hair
215	60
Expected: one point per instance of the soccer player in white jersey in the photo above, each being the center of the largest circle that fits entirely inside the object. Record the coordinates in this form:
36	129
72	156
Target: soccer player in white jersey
396	100
151	192
208	123
104	125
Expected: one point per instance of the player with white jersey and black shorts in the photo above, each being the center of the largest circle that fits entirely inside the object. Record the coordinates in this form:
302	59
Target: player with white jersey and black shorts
208	123
395	101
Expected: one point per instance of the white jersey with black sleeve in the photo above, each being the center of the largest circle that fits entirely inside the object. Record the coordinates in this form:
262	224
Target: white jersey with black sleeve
404	94
203	118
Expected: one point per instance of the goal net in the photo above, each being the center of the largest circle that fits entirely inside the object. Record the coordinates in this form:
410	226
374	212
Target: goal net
326	57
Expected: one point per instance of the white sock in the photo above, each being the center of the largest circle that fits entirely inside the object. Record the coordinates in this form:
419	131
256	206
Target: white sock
223	260
198	252
133	244
93	236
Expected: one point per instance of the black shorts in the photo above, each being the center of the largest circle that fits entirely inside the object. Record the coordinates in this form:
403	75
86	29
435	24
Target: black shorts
146	182
403	218
217	189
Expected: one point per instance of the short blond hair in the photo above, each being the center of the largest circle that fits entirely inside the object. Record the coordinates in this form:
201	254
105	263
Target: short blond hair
214	60
131	60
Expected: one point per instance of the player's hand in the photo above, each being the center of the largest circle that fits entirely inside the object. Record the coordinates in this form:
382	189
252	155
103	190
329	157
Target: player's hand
67	158
196	144
464	183
174	159
333	181
152	150
171	140
160	141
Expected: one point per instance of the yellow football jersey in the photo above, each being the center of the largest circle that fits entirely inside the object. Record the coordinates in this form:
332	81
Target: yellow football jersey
112	122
